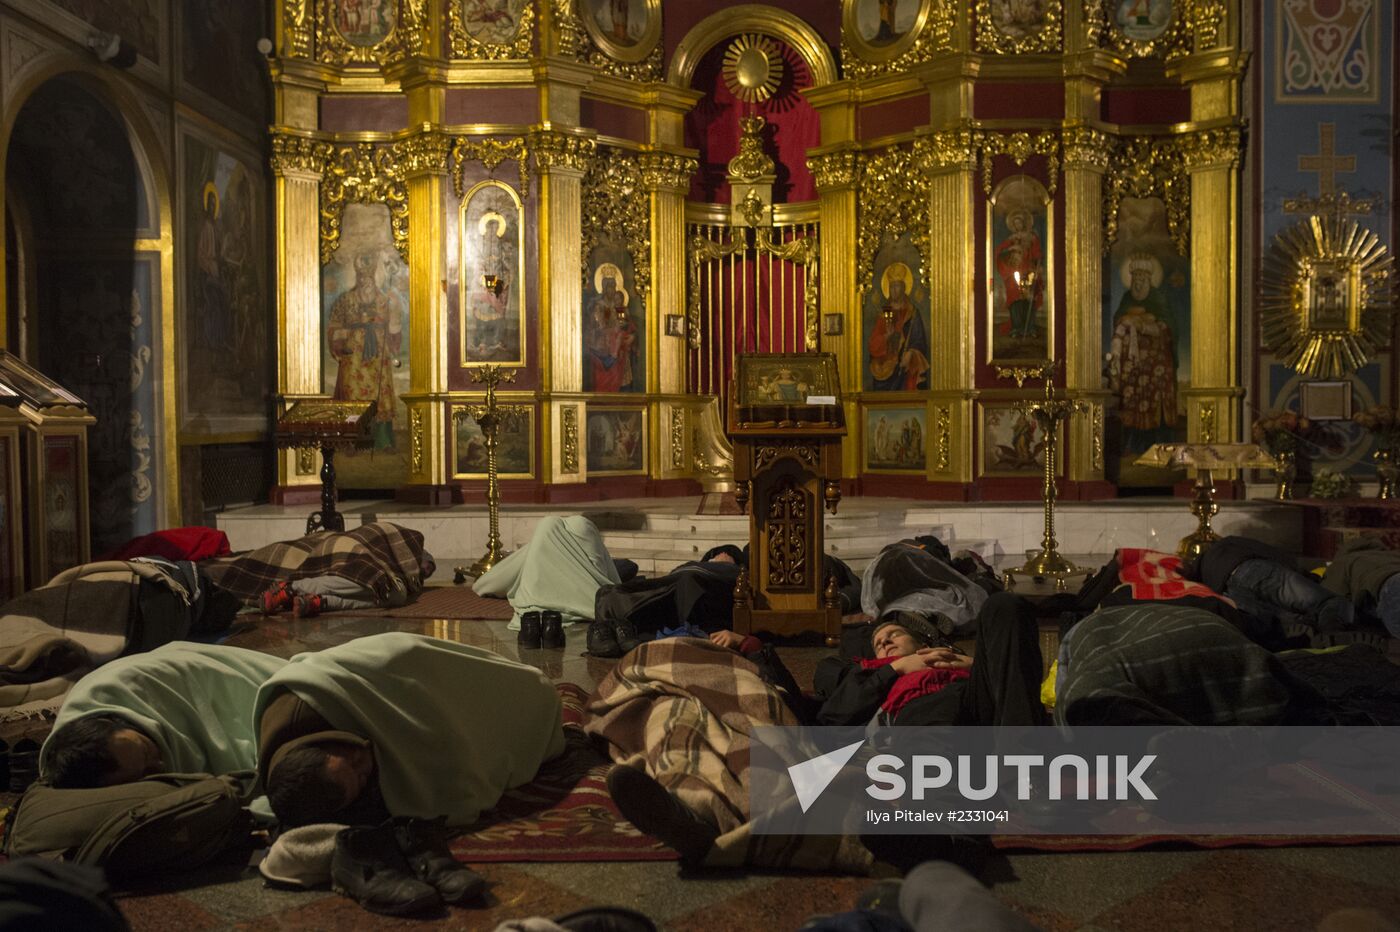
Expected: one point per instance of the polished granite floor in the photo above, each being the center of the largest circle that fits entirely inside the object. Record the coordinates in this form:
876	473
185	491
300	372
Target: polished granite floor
1349	888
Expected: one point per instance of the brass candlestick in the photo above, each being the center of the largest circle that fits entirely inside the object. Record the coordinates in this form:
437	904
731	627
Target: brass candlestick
1048	413
491	417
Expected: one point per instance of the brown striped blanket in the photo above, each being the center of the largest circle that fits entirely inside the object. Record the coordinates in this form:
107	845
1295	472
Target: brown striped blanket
684	710
380	557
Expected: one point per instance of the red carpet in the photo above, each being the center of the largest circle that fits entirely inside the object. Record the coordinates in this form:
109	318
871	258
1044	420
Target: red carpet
565	814
453	602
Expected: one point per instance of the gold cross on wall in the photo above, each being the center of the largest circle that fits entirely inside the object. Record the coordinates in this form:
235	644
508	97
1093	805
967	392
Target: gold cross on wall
1326	162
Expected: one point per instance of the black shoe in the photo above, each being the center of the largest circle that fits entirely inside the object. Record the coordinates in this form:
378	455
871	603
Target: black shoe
605	919
529	631
551	630
24	764
424	845
627	637
602	640
369	868
652	808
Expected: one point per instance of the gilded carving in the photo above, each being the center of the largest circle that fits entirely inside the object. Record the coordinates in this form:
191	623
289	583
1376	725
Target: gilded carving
422	152
365	173
936	36
296	28
751	163
1207	422
415	428
298	154
562	150
667	171
997	39
1020	146
481	47
575	44
1086	148
615	203
1149	166
391	39
787	534
1096	438
1219	147
568	441
490	152
1204	19
805	453
306	461
893	198
1171	39
678	438
943	437
834	170
949	148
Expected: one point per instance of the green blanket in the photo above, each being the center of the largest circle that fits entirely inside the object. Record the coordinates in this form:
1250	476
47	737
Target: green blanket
561	569
194	700
453	727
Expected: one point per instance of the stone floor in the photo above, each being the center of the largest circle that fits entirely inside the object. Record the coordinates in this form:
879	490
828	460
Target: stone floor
1292	888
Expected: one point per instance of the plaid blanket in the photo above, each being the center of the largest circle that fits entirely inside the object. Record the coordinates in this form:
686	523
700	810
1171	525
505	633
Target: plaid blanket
381	557
1154	575
684	710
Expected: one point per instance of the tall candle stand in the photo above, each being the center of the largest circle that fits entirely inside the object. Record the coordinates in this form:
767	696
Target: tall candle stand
491	417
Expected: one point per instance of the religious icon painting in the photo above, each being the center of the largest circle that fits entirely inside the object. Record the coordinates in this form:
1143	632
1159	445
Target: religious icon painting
1142	20
1020	266
515	443
1146	337
363	23
223	327
895	321
490	23
491	283
617	441
882	30
626	30
365	320
1012	442
786	378
614	323
1026	23
894	440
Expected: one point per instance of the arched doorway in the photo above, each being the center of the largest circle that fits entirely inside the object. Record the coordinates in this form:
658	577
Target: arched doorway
84	285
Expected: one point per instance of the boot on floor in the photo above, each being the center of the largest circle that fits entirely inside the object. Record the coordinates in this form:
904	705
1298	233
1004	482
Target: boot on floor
652	808
424	846
369	868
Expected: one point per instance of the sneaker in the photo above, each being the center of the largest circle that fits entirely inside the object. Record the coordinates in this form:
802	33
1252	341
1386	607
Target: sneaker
602	640
529	637
277	599
307	606
424	846
551	630
655	810
369	868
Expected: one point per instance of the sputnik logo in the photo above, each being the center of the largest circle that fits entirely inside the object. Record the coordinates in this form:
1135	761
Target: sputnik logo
811	777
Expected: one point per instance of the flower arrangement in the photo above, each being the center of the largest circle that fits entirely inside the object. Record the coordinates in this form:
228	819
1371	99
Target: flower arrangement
1332	483
1384	424
1281	431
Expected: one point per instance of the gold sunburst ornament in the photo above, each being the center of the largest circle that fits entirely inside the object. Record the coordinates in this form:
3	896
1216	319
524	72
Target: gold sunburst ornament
752	68
1326	299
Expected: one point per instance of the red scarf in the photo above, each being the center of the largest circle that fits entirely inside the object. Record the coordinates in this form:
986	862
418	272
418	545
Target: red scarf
911	686
1151	574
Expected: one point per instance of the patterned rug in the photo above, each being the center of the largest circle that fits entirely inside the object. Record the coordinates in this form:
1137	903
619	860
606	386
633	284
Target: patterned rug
457	602
1134	842
565	813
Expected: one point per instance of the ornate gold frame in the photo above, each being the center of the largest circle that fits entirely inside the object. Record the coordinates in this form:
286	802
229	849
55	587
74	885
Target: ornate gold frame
1302	256
465	45
1174	40
1049	256
866	411
462	283
622	53
527	407
1044	39
590	409
852	38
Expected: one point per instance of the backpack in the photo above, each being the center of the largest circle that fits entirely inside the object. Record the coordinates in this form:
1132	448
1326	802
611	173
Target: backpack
162	823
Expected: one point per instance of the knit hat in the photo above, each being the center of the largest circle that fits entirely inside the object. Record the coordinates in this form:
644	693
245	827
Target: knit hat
920	627
301	857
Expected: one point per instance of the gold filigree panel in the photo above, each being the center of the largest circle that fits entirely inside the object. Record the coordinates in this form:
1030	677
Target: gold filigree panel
362	173
297	28
1019	147
615	202
491	32
1148	166
489	152
1002	31
893	197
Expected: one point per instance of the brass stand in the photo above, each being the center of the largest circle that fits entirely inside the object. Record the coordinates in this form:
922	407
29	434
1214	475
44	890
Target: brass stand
1203	506
1048	413
491	417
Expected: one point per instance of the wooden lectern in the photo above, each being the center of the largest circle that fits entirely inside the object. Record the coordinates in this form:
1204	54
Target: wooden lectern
786	423
325	424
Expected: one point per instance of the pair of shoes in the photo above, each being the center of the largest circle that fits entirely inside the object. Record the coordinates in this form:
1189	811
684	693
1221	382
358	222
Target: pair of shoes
608	638
23	764
277	599
307	606
401	867
541	629
652	808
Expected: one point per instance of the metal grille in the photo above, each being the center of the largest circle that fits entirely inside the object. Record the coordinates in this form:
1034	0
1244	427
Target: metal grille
234	474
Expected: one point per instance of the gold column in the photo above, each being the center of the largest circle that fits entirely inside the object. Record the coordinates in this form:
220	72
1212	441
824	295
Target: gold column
561	159
1086	153
836	174
950	160
424	165
296	166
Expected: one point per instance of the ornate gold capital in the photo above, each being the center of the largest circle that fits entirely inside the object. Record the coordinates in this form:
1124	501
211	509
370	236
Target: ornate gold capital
1086	148
298	154
1212	148
834	170
665	171
615	203
423	153
562	150
949	148
1044	39
366	173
